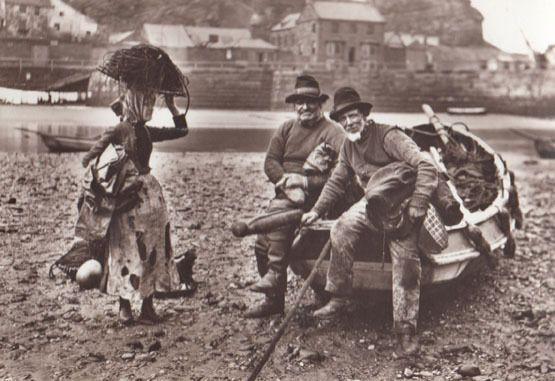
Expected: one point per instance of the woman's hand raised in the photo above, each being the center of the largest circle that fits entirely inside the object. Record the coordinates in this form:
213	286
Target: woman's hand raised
170	103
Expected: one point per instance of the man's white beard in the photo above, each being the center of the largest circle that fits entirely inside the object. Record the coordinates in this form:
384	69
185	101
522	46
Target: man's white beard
354	136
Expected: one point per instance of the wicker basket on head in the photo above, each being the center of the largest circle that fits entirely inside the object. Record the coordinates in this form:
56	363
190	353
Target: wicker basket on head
145	67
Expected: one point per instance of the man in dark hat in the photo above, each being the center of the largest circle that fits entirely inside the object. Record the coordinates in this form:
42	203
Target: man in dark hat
369	147
289	148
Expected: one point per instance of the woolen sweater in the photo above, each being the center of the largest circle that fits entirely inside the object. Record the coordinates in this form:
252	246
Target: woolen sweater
292	143
380	145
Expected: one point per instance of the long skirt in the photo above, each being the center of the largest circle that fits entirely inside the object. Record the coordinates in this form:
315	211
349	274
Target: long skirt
140	255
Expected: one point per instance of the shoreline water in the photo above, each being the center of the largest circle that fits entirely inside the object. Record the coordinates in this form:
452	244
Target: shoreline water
228	130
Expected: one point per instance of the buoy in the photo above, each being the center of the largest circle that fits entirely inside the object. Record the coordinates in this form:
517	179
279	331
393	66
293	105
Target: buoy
89	274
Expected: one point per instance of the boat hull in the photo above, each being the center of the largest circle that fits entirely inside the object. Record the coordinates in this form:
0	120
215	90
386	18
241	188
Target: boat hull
545	148
370	275
66	144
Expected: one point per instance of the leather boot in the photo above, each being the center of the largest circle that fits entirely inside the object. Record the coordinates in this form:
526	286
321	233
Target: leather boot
333	308
271	282
407	341
271	305
319	298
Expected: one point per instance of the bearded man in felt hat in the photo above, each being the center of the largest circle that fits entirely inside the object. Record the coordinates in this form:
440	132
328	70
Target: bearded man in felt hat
369	147
289	148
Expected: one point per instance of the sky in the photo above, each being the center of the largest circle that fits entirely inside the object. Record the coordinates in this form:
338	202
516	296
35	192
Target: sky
503	20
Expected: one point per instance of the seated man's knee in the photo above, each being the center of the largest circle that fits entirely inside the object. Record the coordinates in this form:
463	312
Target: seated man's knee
339	232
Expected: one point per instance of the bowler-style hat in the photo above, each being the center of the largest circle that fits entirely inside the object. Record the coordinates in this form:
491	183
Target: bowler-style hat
307	88
347	99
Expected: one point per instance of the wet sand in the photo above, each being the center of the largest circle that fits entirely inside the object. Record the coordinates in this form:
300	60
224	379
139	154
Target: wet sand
502	321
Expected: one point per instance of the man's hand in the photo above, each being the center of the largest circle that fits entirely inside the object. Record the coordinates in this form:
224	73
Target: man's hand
309	218
170	103
418	206
85	162
292	180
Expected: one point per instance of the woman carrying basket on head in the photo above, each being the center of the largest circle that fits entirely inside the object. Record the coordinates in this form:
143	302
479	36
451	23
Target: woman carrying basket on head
140	260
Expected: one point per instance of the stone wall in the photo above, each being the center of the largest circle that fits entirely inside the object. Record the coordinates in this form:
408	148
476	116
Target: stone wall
209	88
527	92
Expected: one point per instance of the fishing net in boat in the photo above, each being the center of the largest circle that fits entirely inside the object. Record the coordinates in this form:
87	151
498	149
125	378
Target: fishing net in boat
145	67
470	168
473	172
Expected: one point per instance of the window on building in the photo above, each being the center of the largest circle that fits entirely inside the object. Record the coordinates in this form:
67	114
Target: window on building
370	29
22	28
37	11
23	8
57	26
330	49
61	13
212	38
313	47
365	51
334	48
335	27
228	54
353	28
313	27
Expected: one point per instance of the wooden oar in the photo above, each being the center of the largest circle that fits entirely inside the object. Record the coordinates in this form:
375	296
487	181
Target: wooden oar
290	314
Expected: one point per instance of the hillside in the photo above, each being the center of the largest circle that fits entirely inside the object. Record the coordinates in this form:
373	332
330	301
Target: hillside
455	21
126	14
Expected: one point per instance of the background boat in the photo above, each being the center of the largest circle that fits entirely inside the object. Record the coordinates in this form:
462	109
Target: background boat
544	147
467	110
63	143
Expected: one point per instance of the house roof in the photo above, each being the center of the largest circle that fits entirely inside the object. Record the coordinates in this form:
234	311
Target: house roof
347	11
461	58
36	3
166	35
254	43
115	38
393	40
287	22
226	37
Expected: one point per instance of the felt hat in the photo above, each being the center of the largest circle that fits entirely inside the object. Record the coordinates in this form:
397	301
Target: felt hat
347	99
307	88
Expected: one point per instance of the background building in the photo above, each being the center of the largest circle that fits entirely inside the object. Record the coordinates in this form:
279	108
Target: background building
64	20
24	18
338	34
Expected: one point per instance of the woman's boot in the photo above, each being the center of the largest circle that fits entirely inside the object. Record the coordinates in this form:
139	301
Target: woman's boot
147	311
125	313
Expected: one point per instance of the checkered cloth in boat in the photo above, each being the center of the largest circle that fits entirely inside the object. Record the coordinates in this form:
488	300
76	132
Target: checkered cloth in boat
433	237
388	193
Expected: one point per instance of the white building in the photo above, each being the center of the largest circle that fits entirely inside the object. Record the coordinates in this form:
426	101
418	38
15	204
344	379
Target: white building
65	19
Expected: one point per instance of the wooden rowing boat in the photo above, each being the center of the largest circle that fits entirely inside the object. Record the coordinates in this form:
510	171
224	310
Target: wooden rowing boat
64	143
472	243
544	147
